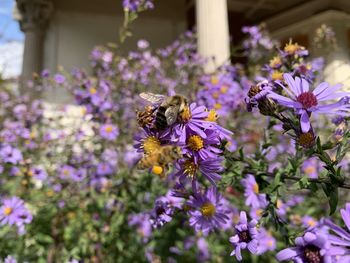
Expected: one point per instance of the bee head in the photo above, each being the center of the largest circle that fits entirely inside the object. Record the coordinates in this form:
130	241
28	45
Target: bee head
176	151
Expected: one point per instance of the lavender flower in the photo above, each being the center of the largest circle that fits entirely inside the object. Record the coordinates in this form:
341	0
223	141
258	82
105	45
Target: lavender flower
251	192
13	212
208	210
10	259
246	236
311	247
109	131
10	154
306	102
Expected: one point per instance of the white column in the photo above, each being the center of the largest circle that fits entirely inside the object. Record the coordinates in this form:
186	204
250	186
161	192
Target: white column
33	18
213	32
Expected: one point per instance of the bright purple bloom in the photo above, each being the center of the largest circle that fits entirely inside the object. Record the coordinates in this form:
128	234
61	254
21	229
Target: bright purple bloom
311	167
38	173
10	154
104	169
208	210
312	247
67	172
10	259
13	212
306	102
251	192
342	237
246	236
209	168
60	79
109	131
266	241
143	224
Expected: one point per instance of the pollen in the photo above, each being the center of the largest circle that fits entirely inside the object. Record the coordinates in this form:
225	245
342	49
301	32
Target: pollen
256	188
30	173
65	172
150	144
195	143
307	99
223	89
109	129
92	91
7	210
217	106
186	114
306	140
212	116
275	62
208	209
190	168
276	75
157	170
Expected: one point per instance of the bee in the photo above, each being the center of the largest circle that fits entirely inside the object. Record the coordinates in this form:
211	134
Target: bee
169	108
145	117
161	158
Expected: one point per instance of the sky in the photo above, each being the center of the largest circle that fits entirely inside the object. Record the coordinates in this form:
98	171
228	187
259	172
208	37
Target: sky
11	41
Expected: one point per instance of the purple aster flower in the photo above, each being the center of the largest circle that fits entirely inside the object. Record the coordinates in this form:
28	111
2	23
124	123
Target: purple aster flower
142	44
193	121
309	222
202	147
208	210
148	140
10	154
341	238
60	79
109	131
37	173
10	259
67	172
209	168
306	102
203	249
266	241
311	167
251	192
143	224
13	212
246	236
104	169
312	247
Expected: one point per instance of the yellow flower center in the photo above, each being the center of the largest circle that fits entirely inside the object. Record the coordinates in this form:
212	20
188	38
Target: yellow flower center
195	143
310	170
7	210
30	173
32	135
150	144
277	75
186	114
212	116
157	170
224	89
109	129
214	80
92	91
65	172
306	140
256	188
275	62
291	48
208	209
217	106
311	222
258	212
279	204
215	95
190	168
270	243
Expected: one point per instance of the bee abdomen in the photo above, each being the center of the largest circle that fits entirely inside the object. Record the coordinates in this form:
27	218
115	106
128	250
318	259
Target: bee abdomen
161	122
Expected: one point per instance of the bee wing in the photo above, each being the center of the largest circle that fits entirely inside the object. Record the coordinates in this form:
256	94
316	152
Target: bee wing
171	114
153	98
